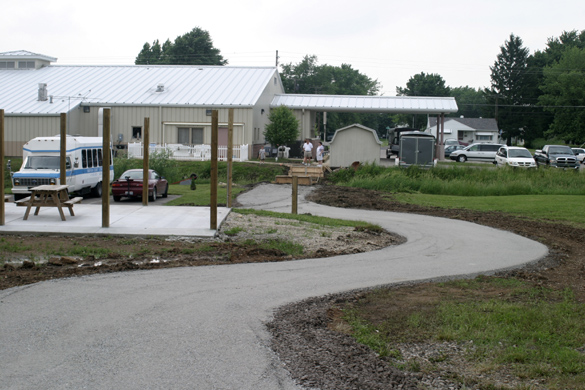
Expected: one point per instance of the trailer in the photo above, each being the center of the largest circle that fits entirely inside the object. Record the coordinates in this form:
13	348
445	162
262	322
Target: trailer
417	148
41	165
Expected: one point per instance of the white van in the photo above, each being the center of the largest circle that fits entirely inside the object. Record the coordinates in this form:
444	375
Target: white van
41	165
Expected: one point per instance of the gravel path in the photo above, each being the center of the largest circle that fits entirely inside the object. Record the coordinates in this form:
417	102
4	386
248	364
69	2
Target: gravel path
205	327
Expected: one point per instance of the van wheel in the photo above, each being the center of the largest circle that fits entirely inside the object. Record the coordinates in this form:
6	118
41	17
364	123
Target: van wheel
97	190
461	159
152	198
117	198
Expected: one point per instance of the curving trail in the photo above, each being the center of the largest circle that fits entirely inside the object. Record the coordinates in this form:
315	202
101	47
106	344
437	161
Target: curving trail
203	327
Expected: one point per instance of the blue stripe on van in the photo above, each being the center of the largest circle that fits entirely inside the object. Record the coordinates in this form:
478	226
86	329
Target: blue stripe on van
56	174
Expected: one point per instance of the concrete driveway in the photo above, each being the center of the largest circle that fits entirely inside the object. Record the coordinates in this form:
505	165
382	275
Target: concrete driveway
203	328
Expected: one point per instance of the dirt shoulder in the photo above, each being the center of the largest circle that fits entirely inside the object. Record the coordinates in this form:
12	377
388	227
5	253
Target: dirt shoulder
30	259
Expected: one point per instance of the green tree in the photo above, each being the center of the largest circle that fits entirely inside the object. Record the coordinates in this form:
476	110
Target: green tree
283	128
564	95
470	101
421	84
192	48
308	77
509	88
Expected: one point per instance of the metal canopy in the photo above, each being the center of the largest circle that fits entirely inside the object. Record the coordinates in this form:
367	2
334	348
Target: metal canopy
378	104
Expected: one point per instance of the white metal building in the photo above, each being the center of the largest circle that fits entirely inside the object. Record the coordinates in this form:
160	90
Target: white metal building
177	99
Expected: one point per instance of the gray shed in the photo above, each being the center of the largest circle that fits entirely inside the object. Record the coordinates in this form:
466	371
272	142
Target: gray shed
354	143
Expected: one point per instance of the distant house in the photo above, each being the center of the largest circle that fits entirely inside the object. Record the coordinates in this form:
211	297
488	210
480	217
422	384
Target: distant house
354	143
470	130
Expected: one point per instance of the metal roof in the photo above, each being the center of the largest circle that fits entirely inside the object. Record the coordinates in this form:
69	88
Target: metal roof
24	54
379	104
474	123
132	85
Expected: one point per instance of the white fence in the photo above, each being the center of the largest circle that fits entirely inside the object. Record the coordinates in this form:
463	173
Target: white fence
186	152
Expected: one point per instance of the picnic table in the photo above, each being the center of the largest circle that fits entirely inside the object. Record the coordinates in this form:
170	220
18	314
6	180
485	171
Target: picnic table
49	196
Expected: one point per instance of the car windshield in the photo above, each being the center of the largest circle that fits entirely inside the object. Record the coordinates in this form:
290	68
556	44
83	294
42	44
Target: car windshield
134	175
45	162
519	153
560	150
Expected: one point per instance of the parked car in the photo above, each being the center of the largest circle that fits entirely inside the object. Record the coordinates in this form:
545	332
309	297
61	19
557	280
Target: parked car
580	154
451	148
514	156
450	141
129	185
476	152
556	156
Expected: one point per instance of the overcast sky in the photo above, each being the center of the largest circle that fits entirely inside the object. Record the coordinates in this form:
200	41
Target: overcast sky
387	40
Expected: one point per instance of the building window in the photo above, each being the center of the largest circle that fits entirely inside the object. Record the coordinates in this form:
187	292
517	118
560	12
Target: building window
6	64
26	64
136	132
484	137
190	135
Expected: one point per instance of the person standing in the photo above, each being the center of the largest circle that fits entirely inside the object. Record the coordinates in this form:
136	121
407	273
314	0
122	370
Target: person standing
308	152
262	154
320	153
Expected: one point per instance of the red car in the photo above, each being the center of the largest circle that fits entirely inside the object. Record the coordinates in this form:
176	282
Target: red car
130	185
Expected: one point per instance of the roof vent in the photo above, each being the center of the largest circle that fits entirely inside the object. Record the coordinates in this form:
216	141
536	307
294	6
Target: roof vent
42	92
160	88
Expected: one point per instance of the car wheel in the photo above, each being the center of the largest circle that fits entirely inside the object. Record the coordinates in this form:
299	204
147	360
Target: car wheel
166	193
117	198
461	158
97	190
152	198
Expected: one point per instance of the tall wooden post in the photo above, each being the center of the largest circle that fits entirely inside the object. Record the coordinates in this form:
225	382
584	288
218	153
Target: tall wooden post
2	208
145	160
63	151
106	169
295	194
213	184
230	154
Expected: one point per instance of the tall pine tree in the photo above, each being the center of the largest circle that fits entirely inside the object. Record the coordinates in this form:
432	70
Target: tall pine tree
509	87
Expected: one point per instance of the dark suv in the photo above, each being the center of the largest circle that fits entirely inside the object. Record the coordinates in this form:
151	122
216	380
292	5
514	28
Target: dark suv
476	152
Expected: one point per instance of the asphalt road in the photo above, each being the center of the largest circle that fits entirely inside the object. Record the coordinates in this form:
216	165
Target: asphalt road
203	328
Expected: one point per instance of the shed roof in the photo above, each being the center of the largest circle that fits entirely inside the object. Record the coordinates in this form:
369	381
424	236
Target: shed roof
378	104
145	85
373	132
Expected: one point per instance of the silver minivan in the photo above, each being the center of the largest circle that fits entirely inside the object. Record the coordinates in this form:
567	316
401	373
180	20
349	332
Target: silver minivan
476	152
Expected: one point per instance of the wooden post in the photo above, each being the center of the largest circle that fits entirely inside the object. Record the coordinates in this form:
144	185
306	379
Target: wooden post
145	162
106	169
213	183
230	154
295	194
2	207
63	151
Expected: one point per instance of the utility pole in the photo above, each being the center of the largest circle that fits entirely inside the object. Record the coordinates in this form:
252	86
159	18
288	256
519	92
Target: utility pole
277	58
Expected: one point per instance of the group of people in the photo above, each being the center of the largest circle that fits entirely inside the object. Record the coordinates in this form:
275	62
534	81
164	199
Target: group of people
308	152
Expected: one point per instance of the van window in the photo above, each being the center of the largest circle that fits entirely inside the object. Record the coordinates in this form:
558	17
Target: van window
100	159
84	158
489	148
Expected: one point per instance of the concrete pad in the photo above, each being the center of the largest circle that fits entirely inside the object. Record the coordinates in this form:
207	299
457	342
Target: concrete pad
130	219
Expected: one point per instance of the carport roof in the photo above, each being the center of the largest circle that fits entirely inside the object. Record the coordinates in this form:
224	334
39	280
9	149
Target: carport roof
378	104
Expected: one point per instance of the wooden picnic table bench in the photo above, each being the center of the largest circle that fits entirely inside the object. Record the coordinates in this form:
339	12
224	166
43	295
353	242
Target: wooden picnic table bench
49	196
